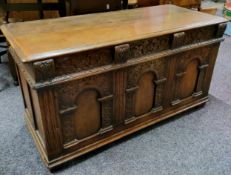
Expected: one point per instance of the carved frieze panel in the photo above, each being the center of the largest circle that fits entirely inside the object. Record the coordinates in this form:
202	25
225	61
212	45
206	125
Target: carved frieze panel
149	46
83	61
199	35
101	57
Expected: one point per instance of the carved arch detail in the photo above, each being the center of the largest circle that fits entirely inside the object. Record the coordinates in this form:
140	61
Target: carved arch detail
87	116
188	82
145	94
158	69
189	77
68	96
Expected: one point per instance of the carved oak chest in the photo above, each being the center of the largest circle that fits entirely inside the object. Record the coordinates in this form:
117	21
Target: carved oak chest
89	80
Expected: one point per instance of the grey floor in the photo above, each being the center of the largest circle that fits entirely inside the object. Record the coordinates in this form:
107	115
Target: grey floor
193	143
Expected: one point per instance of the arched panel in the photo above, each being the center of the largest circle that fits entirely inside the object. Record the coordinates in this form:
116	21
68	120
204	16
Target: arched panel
87	116
145	94
189	80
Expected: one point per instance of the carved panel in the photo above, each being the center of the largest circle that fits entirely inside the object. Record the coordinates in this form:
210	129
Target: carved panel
158	44
148	46
158	66
199	35
83	61
190	73
71	109
93	59
68	92
153	85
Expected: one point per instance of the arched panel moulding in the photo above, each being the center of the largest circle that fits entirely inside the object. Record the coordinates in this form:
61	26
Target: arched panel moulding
144	97
87	117
189	80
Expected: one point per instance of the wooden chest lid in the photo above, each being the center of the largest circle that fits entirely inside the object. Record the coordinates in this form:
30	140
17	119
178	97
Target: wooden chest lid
42	39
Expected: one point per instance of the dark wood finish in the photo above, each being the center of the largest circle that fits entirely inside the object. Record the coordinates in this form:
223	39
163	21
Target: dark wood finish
146	3
78	7
12	69
101	84
38	5
3	47
182	3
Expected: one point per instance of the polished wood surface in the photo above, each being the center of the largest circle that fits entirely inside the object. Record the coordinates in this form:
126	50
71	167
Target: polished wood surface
112	85
80	33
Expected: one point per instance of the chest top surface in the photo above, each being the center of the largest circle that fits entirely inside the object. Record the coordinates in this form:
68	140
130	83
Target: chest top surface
42	39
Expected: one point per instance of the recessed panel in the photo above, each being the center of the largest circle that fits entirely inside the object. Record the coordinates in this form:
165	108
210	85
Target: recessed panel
189	80
87	115
145	94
